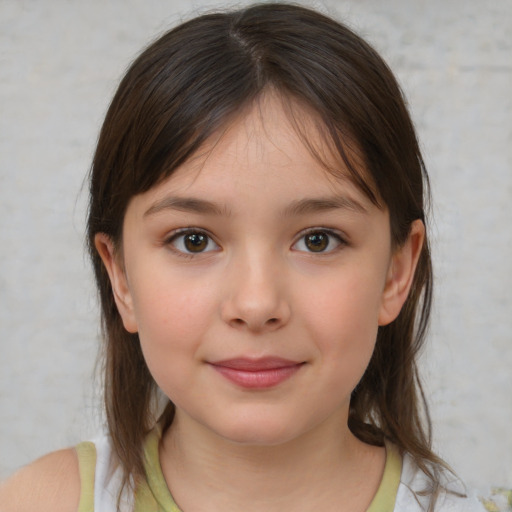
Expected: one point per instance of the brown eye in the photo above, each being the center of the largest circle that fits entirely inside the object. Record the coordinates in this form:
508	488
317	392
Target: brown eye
192	242
317	242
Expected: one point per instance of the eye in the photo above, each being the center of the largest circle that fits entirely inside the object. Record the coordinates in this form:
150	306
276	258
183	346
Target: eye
192	241
318	240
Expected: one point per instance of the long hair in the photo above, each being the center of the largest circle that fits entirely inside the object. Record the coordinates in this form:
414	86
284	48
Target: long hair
189	84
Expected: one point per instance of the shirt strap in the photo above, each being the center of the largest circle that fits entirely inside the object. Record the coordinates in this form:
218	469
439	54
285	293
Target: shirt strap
385	498
86	453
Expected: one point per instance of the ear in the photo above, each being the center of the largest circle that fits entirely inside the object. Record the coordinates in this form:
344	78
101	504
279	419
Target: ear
118	280
401	273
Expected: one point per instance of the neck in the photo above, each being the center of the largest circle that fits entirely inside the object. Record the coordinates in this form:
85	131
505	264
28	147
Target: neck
207	472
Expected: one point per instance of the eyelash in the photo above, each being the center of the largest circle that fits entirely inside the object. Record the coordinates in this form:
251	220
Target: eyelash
331	234
180	234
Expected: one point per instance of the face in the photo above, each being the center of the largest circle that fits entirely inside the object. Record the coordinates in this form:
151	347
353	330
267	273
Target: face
257	282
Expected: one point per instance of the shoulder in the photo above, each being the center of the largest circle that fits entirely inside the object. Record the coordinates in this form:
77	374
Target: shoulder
51	483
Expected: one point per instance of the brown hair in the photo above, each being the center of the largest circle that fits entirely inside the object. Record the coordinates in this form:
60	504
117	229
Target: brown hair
189	84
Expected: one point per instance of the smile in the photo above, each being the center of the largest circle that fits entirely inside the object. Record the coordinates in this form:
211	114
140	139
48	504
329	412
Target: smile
257	373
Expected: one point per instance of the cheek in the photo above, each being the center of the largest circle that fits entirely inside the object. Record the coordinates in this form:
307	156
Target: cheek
172	302
342	318
173	314
346	303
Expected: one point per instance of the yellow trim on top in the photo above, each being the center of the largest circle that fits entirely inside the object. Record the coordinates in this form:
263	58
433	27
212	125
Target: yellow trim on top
86	453
157	497
385	498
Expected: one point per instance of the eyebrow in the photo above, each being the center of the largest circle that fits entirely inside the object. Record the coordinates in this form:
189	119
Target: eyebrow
185	204
315	205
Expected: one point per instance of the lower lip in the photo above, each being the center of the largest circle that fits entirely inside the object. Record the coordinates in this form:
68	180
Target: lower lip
259	379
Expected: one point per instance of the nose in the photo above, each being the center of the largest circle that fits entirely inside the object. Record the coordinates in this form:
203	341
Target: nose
255	297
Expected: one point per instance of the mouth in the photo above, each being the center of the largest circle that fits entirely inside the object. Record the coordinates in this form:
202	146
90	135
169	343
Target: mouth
261	373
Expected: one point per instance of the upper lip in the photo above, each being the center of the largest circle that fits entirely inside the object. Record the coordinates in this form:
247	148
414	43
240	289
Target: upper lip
256	364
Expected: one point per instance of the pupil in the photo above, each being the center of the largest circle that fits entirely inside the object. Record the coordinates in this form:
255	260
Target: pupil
196	242
317	242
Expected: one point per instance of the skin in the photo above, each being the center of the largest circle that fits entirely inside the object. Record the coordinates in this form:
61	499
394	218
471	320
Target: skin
51	483
257	289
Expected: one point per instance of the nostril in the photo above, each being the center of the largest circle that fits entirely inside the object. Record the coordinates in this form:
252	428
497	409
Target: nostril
239	322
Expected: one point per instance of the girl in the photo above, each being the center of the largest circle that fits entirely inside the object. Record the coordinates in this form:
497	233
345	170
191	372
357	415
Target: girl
257	230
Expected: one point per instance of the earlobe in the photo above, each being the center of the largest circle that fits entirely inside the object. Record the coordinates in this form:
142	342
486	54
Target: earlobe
118	281
401	274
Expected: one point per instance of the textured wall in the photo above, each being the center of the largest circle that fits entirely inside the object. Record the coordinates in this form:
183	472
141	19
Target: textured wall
59	64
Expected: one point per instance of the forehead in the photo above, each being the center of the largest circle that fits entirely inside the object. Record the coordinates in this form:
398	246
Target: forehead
263	140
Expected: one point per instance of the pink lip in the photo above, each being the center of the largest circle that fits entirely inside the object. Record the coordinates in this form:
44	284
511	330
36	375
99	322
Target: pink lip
257	373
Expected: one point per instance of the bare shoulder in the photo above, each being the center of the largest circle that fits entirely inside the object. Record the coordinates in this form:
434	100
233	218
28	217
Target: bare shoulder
51	483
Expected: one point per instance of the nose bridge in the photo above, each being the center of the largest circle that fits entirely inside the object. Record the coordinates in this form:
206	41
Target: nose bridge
256	294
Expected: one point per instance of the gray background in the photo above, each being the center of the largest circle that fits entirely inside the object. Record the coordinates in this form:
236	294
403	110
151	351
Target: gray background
59	65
